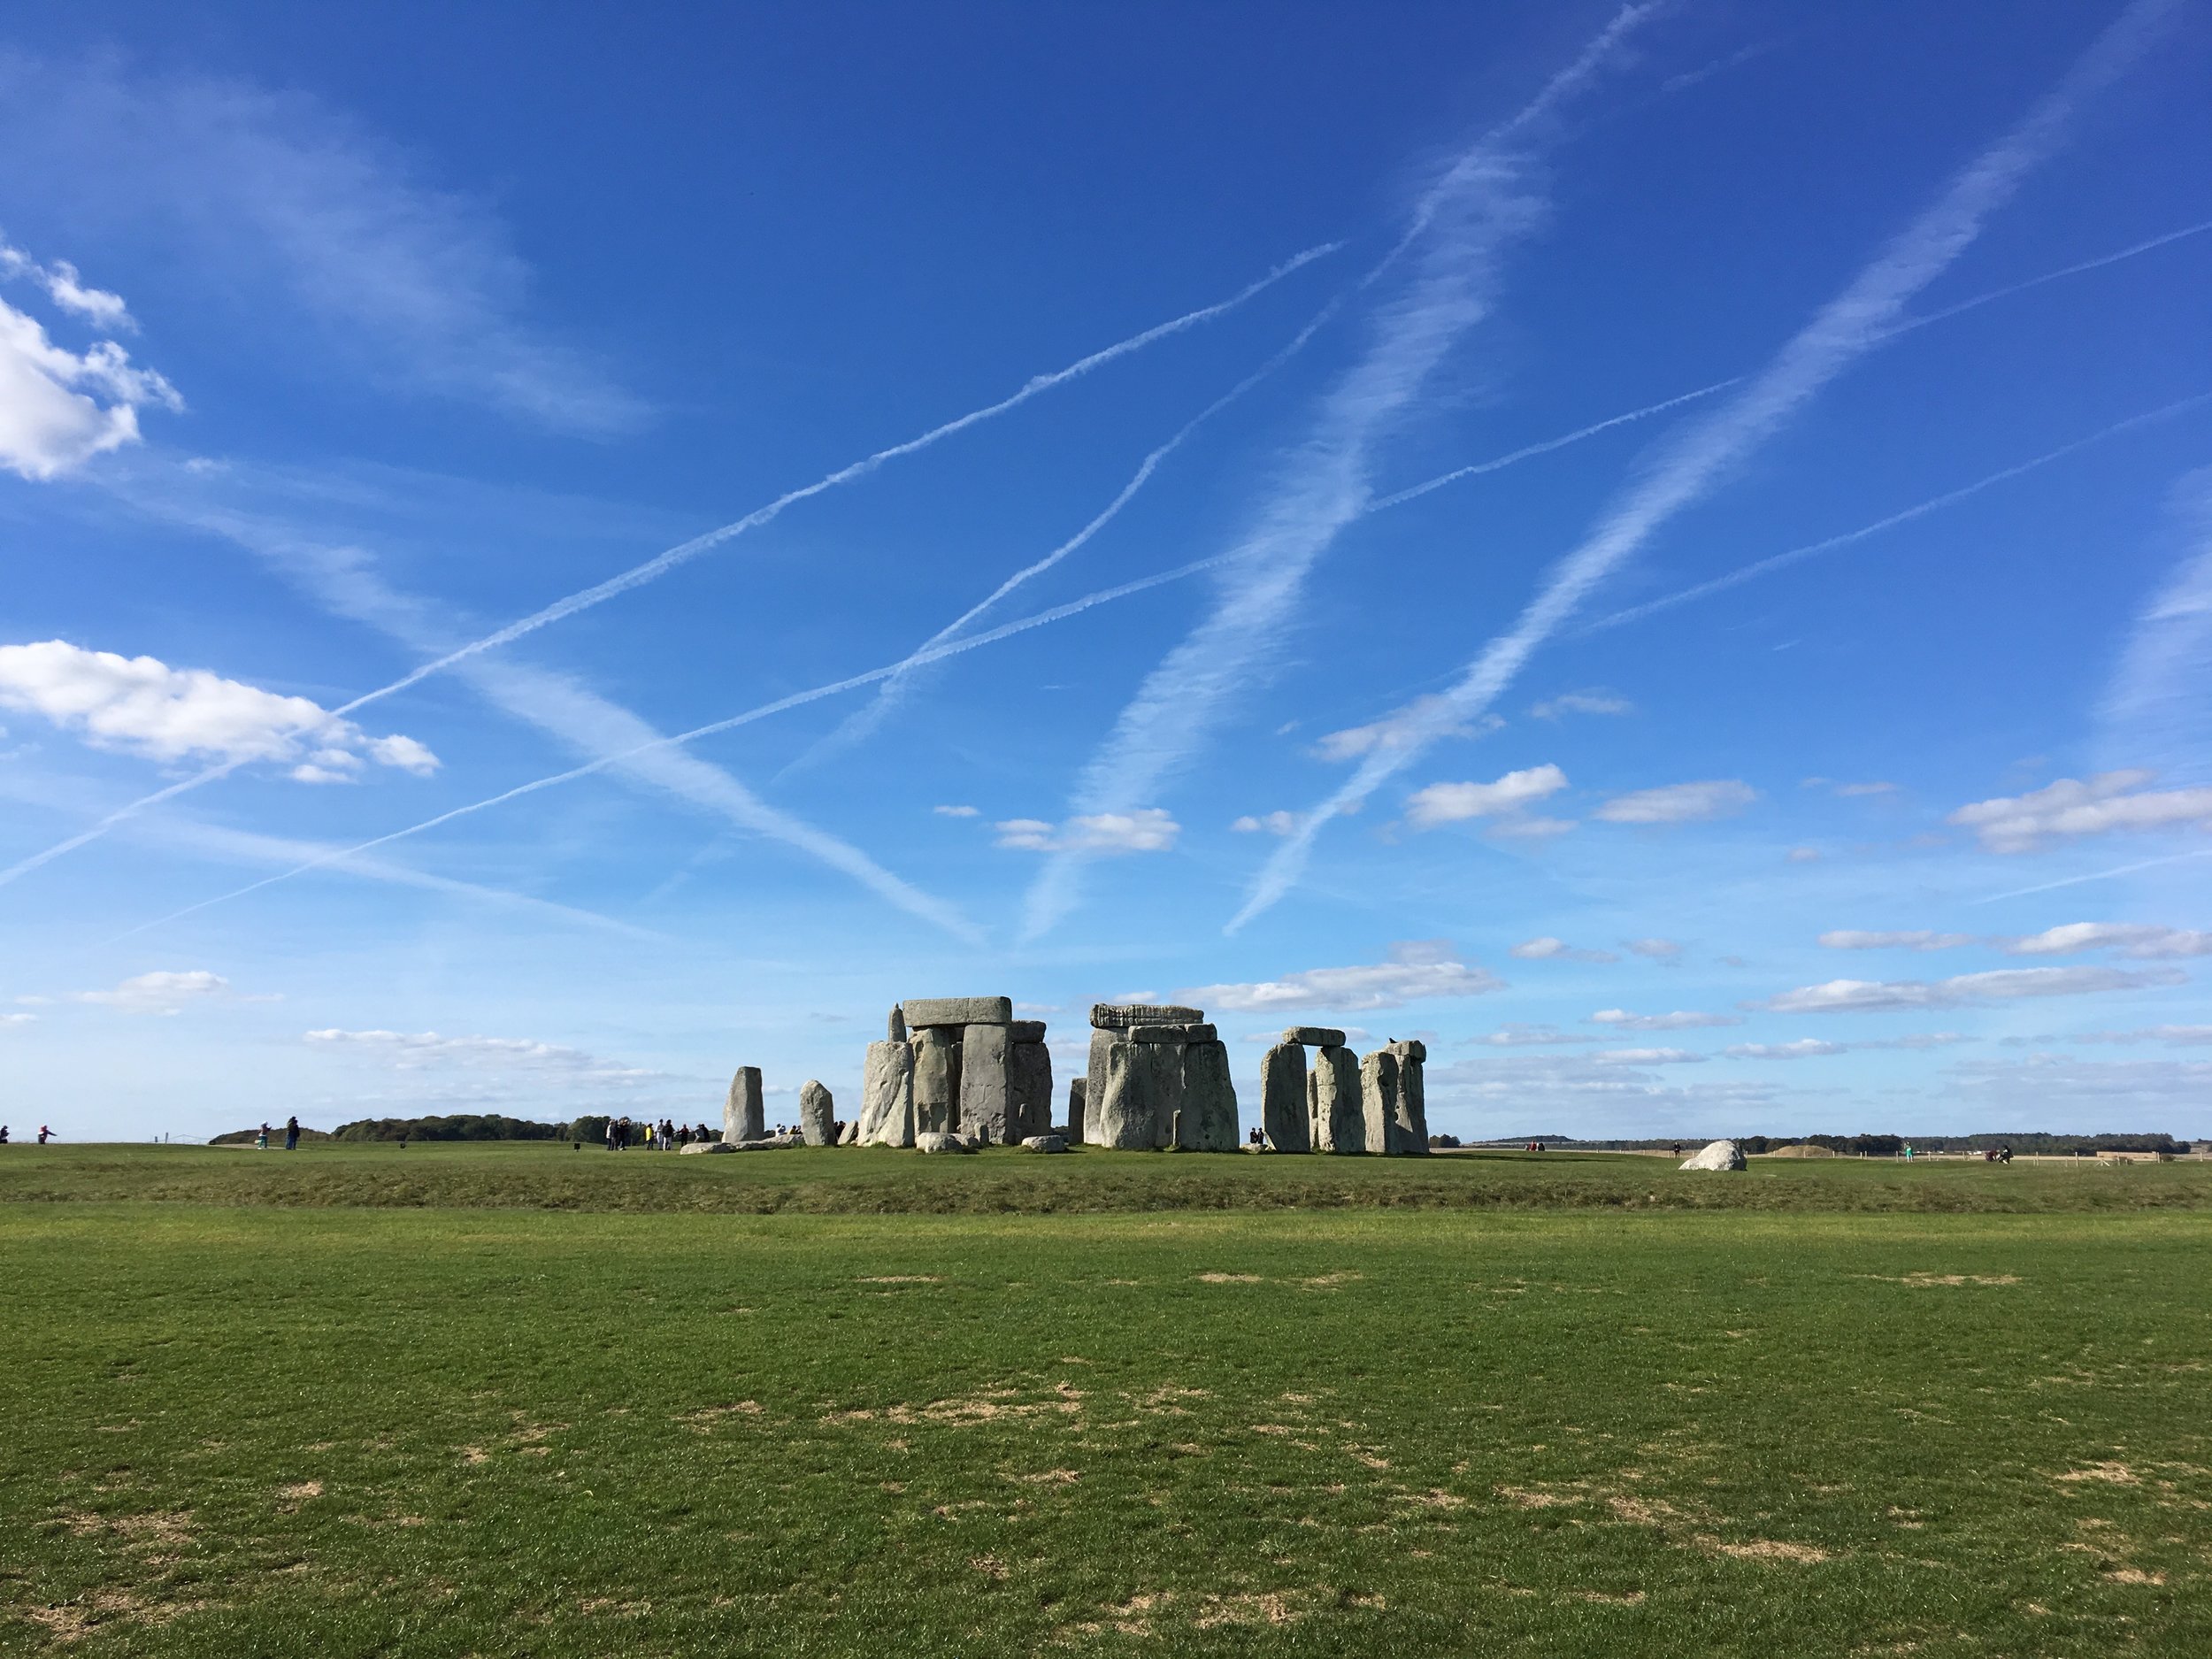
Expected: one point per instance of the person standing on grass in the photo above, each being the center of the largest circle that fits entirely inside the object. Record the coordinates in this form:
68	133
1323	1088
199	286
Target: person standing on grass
44	1133
261	1140
3	1134
610	1128
291	1134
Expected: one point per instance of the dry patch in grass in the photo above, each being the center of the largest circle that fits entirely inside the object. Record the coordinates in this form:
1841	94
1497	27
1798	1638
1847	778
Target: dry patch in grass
1231	1278
1050	1477
703	1420
995	1405
901	1279
2117	1474
73	1621
1626	1598
1762	1549
1923	1281
2133	1575
990	1566
1272	1607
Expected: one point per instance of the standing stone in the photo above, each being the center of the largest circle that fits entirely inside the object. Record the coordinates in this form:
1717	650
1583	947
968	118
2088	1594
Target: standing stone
1209	1119
897	1023
1030	1065
1339	1124
1409	1134
986	1085
744	1116
1094	1096
1078	1087
936	1079
1144	1086
817	1115
1284	1117
849	1135
958	1010
886	1096
1379	1099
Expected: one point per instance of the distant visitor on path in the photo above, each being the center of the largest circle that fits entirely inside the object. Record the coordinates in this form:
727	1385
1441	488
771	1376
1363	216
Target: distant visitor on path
261	1140
3	1134
291	1134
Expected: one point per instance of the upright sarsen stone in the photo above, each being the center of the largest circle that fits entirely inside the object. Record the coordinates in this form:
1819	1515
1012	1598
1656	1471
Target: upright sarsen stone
1144	1087
744	1116
1379	1099
986	1085
1094	1096
818	1114
1078	1092
1409	1131
1284	1111
1030	1067
1208	1122
1339	1124
886	1096
936	1079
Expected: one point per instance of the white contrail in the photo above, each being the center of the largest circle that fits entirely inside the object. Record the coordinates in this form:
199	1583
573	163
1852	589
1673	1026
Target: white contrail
1529	451
1481	205
684	552
862	721
2052	276
952	648
1774	561
1842	332
2099	875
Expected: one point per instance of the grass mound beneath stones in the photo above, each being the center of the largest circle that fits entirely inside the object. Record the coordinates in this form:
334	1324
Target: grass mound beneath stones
875	1181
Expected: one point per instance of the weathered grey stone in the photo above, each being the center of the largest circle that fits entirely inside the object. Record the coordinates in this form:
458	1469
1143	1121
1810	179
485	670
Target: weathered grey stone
987	1083
1337	1122
896	1029
1315	1036
848	1133
1095	1096
1721	1154
1078	1088
1208	1122
1409	1135
1283	1118
1121	1016
1378	1099
708	1146
938	1140
886	1096
818	1114
744	1116
1144	1086
958	1010
1044	1143
936	1079
1188	1032
1029	1066
1025	1031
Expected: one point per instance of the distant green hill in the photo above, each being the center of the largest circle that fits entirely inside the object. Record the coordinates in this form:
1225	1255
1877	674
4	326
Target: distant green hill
466	1126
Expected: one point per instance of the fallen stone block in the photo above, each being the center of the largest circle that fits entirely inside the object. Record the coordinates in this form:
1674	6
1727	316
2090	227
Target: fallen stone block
937	1140
1044	1143
707	1146
1721	1154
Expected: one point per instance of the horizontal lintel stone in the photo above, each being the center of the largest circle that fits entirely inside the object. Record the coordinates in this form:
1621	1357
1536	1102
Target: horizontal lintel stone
1315	1036
1122	1016
1027	1031
959	1011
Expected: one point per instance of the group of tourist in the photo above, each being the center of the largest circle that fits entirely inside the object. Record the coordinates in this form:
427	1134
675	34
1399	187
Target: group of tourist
664	1136
291	1136
44	1134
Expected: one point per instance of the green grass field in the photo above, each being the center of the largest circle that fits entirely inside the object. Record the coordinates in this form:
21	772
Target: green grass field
479	1401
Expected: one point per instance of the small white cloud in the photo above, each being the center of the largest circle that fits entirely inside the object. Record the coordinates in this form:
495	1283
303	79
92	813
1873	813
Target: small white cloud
1417	969
1453	803
1544	947
52	415
1582	702
1514	1035
957	811
1519	827
1857	996
67	289
1656	949
10	1021
1849	789
1681	1019
1804	855
139	705
1276	823
1408	727
2144	941
1803	1048
1914	939
1106	834
160	992
2071	809
1649	1056
2179	1036
1679	802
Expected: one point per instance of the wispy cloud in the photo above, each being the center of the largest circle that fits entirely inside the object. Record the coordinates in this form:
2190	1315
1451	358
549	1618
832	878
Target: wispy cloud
1544	947
1099	835
1417	969
1691	467
1508	797
1582	702
1864	996
1481	205
1679	802
2072	808
1907	938
1654	949
1394	731
67	289
1649	1056
412	1051
2158	706
164	991
1681	1019
1276	823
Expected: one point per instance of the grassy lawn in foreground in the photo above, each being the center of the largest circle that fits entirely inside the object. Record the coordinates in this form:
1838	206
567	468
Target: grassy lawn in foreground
267	1430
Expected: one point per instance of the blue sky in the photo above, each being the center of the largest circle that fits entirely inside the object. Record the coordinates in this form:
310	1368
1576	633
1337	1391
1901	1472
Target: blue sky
1012	429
